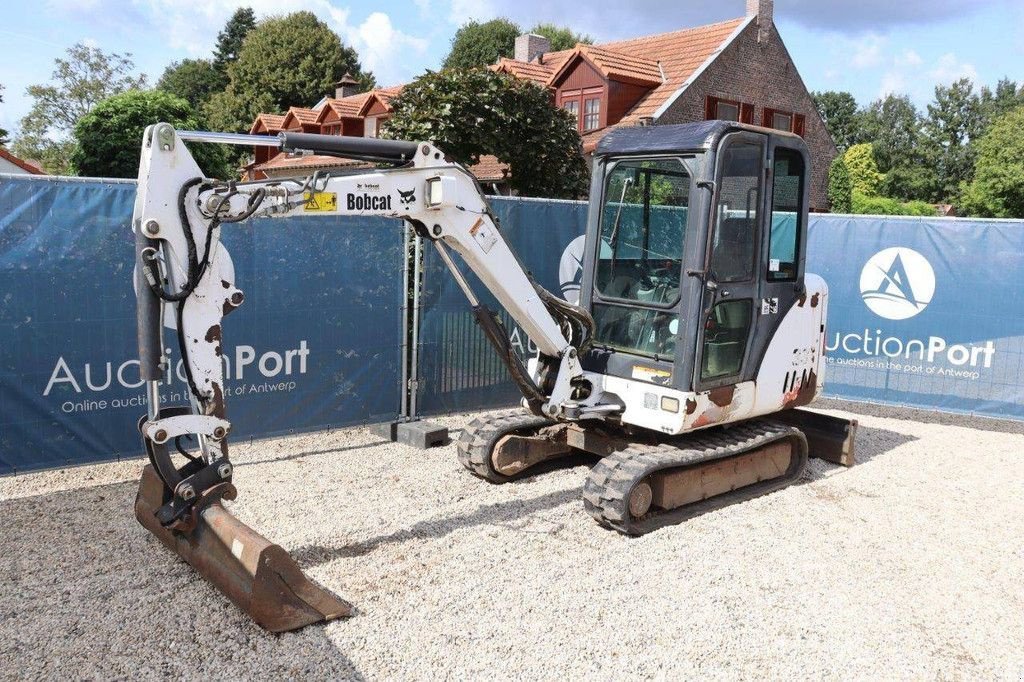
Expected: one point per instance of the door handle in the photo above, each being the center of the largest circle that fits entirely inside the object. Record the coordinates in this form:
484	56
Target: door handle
724	293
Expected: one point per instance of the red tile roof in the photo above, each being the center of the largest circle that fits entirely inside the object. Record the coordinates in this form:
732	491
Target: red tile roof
271	123
306	116
538	73
621	66
346	107
20	163
489	169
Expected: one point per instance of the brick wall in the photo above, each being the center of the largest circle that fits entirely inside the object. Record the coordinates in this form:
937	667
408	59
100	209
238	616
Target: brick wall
763	75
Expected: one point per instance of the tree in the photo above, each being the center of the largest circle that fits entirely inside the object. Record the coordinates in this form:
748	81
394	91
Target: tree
472	112
229	41
561	37
87	76
864	175
193	80
109	136
911	182
284	61
840	189
995	104
839	111
954	120
893	126
476	44
3	133
997	190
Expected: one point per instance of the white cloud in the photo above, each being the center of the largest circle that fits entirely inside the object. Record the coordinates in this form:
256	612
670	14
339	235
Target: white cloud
466	10
385	51
893	82
867	52
948	69
908	58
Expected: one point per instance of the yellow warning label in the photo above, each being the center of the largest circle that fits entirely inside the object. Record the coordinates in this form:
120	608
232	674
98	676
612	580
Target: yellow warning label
652	374
320	201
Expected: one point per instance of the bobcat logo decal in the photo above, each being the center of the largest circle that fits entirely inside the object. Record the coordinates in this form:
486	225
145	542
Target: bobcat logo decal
407	197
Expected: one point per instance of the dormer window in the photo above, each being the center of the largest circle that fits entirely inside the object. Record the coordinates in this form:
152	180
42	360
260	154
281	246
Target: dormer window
592	114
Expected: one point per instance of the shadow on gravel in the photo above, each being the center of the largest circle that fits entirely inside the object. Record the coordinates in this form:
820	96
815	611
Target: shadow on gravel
872	442
490	514
313	453
89	594
919	415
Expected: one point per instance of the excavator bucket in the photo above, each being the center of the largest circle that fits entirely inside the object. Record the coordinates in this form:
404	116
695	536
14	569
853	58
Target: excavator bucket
258	576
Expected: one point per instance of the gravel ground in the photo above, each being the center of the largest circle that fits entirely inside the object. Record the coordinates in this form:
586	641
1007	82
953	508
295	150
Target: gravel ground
909	565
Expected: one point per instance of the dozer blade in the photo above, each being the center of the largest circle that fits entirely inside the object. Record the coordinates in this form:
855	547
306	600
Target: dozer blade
258	576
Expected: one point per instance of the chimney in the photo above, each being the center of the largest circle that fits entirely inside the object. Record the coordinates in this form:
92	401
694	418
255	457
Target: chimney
531	45
346	87
762	9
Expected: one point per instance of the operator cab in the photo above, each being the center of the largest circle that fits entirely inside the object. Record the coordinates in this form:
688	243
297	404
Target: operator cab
694	250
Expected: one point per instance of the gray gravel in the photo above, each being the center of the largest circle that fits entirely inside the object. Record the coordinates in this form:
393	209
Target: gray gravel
910	566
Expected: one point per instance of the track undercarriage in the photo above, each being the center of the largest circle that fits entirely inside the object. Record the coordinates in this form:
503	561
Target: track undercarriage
645	482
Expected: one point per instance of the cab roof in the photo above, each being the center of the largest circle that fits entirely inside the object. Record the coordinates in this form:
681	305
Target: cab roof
667	139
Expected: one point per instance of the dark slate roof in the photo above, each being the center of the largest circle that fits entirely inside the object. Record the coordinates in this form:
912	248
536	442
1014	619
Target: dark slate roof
663	138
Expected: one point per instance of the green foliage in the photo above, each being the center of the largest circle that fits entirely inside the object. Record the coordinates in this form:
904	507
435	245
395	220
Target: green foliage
561	37
864	175
911	182
285	61
874	205
481	44
995	104
193	80
840	189
839	111
110	136
87	76
472	112
893	126
3	133
954	119
229	40
997	190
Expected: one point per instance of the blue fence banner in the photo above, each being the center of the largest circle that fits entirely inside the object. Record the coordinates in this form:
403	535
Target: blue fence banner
923	312
458	368
317	343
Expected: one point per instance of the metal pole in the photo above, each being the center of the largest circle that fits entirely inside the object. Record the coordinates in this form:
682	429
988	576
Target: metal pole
404	414
230	138
416	286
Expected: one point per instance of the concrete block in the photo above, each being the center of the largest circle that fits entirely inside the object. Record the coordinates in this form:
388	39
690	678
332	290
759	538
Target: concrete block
421	434
386	430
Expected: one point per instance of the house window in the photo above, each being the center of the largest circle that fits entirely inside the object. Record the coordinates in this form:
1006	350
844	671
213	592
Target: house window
728	111
592	114
371	126
573	107
719	109
783	120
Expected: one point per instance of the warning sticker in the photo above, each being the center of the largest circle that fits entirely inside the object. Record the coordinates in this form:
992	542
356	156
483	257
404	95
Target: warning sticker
320	201
652	374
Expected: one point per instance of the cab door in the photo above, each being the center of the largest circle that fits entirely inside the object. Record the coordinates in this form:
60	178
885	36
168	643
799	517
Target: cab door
732	282
754	271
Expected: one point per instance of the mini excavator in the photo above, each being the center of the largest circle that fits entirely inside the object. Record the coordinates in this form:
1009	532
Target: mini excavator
696	337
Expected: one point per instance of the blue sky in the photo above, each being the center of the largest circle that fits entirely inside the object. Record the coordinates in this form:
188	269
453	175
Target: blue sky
868	47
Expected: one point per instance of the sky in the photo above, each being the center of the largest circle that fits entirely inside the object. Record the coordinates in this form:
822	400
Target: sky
868	47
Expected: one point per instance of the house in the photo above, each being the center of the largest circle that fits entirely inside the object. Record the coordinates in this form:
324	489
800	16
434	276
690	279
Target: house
9	163
736	70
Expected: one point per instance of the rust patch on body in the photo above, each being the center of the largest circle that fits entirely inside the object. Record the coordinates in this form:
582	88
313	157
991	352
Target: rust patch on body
691	406
722	396
803	393
814	300
800	301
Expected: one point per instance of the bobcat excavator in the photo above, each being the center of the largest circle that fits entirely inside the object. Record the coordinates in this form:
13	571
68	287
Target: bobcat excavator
696	334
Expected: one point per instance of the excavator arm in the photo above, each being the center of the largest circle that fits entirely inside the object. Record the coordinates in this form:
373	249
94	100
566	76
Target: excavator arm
185	283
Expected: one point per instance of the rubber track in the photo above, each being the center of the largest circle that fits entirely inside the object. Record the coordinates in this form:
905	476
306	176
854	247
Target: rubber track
481	436
607	489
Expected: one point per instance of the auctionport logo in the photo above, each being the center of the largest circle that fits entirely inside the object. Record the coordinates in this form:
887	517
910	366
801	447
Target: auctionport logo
897	283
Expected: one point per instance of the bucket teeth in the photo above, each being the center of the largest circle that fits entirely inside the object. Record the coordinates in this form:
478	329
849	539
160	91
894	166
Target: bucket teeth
257	575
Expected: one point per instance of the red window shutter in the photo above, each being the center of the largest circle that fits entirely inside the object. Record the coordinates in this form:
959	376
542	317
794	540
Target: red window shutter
798	124
746	113
710	108
766	117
